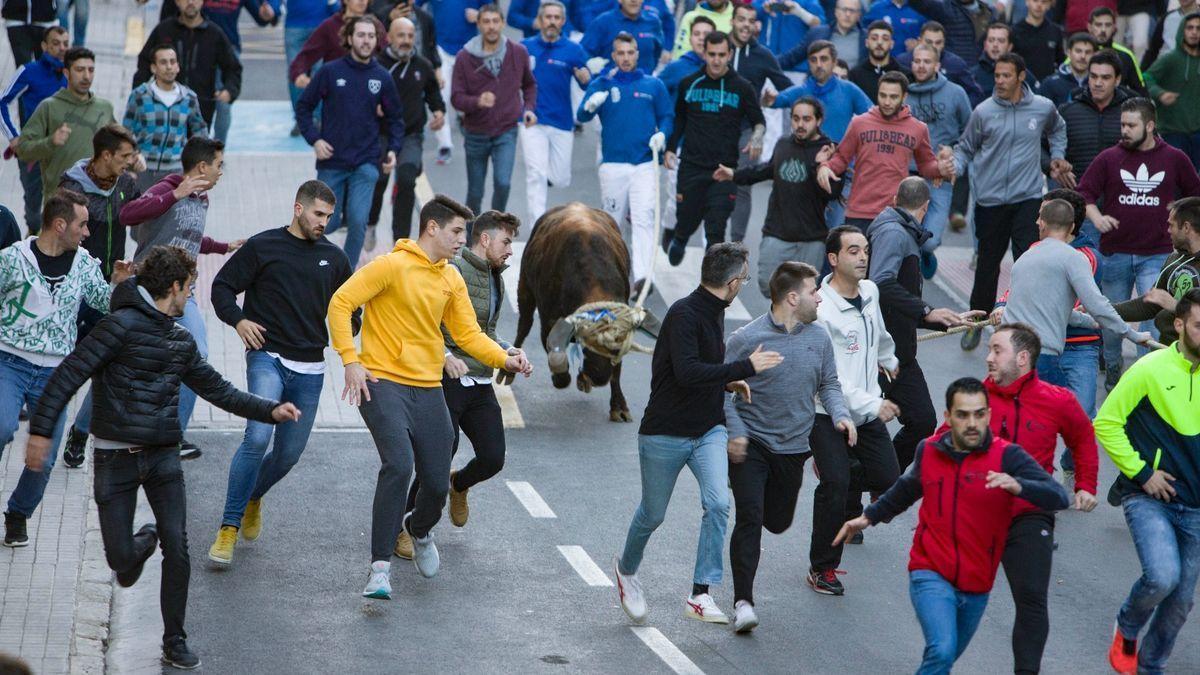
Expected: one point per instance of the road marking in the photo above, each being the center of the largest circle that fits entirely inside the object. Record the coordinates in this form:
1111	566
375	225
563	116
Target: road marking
530	499
135	35
424	190
508	407
666	650
584	566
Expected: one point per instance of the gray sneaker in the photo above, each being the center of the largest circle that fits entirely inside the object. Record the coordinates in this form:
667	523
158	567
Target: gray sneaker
425	553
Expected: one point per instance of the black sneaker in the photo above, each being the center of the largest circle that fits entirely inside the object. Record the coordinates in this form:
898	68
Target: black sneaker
667	236
177	654
130	577
1111	377
73	451
295	131
857	539
189	450
826	582
14	530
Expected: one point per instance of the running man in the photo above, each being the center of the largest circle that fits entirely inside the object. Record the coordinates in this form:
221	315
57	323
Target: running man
396	380
288	275
684	425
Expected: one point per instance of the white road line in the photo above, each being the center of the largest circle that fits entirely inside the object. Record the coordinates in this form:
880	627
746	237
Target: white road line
674	283
666	650
530	499
508	407
587	569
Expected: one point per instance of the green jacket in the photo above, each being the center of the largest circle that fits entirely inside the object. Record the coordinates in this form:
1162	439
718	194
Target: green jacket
1179	72
482	282
37	136
1180	274
683	34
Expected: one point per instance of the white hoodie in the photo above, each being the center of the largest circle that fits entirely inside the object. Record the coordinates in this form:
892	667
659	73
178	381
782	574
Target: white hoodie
861	345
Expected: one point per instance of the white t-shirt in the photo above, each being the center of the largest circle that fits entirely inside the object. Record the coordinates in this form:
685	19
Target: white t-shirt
167	97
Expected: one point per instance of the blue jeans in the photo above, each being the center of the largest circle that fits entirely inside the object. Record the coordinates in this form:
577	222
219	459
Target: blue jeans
223	115
661	459
835	211
31	185
502	150
1188	143
1079	367
293	41
79	35
1120	274
948	619
21	383
353	190
1167	538
938	214
254	470
193	321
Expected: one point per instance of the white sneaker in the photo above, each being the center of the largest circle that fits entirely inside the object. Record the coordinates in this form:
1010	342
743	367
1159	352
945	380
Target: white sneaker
425	553
379	586
704	608
629	588
744	618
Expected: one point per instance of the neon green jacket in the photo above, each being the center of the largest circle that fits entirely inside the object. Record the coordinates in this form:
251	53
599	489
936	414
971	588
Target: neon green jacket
683	35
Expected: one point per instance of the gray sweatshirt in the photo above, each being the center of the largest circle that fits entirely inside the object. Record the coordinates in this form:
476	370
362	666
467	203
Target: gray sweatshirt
781	413
1046	281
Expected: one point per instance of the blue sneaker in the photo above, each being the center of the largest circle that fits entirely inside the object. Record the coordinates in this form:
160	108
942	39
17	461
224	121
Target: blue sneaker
676	251
929	264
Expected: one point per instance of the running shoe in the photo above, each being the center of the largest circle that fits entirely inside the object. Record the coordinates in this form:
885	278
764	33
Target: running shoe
425	553
379	586
14	530
675	252
189	450
629	589
826	582
744	618
177	655
221	552
1112	375
1122	654
668	234
295	131
444	156
252	520
704	608
459	510
404	546
958	222
929	264
74	449
130	576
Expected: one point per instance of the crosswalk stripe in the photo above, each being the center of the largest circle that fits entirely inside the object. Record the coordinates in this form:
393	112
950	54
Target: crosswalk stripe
508	407
530	499
135	35
584	566
666	650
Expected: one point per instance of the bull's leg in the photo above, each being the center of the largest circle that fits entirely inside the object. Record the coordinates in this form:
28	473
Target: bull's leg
618	409
526	304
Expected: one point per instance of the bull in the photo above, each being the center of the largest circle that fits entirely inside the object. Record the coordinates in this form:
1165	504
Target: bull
575	276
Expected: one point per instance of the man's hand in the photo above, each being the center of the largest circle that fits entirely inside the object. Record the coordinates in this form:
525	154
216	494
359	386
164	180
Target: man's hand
1161	298
1061	171
12	145
583	75
530	118
191	185
1084	501
235	245
825	153
1106	224
454	367
669	160
356	390
438	120
996	316
487	99
138	164
251	334
471	14
389	162
518	363
946	317
1168	98
37	449
285	412
768	98
737	449
322	149
122	270
402	9
266	12
847	427
61	134
722	173
223	96
999	479
825	176
658	142
753	149
739	388
1159	486
1140	338
596	64
302	81
764	360
888	411
851	528
596	100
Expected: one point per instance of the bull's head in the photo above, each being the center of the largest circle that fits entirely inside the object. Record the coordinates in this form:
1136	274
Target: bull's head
604	342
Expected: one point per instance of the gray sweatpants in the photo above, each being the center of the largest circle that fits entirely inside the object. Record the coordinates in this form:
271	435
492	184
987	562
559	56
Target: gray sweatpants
772	252
409	425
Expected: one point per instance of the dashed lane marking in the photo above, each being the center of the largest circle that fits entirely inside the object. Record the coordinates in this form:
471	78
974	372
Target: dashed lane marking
584	566
530	499
666	650
508	407
135	35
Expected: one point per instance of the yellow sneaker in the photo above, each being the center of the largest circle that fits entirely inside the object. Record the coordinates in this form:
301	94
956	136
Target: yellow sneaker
404	546
222	549
459	511
252	520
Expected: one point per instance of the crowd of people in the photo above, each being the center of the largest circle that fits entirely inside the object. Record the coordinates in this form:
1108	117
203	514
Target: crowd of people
1066	134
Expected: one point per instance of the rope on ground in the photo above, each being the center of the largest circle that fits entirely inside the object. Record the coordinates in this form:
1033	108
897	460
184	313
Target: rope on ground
608	327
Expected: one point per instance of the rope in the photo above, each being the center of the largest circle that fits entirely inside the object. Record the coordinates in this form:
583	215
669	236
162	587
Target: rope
607	328
933	335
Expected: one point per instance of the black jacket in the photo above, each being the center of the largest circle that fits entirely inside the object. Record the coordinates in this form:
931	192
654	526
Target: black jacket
757	64
201	51
422	20
895	238
709	116
796	209
866	75
30	11
106	234
10	232
1040	46
137	358
416	82
1090	131
1060	86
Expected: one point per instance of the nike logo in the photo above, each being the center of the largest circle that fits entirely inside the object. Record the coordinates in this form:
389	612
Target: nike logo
323	263
1170	387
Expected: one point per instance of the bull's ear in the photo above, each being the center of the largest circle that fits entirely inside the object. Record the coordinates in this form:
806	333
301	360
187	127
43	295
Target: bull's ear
651	325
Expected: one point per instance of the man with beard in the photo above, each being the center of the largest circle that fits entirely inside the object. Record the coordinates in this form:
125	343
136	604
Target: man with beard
1177	94
288	275
1149	427
1094	117
879	58
794	228
881	144
1135	180
1102	25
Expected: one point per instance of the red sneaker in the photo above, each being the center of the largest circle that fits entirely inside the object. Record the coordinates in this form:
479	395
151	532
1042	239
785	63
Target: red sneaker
1122	655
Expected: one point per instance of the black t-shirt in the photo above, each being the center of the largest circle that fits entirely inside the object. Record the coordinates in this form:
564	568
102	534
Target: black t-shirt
856	301
53	268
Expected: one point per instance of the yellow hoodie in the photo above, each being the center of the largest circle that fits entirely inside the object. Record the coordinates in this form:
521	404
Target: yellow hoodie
407	298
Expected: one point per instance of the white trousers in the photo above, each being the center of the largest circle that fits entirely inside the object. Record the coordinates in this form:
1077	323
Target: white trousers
628	190
443	134
547	162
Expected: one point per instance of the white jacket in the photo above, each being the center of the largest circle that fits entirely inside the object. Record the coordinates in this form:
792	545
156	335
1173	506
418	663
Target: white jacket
861	345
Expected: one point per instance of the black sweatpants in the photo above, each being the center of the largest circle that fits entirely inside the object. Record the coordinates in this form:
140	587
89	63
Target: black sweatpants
702	199
910	391
998	228
832	455
404	196
766	487
475	411
1028	555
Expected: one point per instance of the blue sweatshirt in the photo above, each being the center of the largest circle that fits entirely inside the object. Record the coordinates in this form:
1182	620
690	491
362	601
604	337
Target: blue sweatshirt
554	65
842	100
674	72
450	17
583	12
637	107
647	29
784	31
906	22
33	83
349	93
309	13
522	13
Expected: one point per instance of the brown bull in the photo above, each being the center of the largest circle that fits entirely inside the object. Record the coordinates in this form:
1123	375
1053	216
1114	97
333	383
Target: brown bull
575	256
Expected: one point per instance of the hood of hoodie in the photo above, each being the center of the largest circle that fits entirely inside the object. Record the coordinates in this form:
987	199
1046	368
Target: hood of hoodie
930	86
66	96
901	115
410	247
621	77
79	174
692	57
474	47
1026	98
51	62
894	216
1064	70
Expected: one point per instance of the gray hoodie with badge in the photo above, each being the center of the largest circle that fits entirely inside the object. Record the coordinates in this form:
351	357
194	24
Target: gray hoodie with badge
1003	146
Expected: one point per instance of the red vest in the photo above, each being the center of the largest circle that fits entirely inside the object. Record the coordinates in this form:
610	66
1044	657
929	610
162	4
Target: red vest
962	524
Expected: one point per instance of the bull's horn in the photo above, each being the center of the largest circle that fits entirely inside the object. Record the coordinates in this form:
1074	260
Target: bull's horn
556	345
651	324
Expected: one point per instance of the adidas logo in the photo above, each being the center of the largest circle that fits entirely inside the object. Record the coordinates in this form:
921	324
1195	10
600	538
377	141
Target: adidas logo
1140	184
